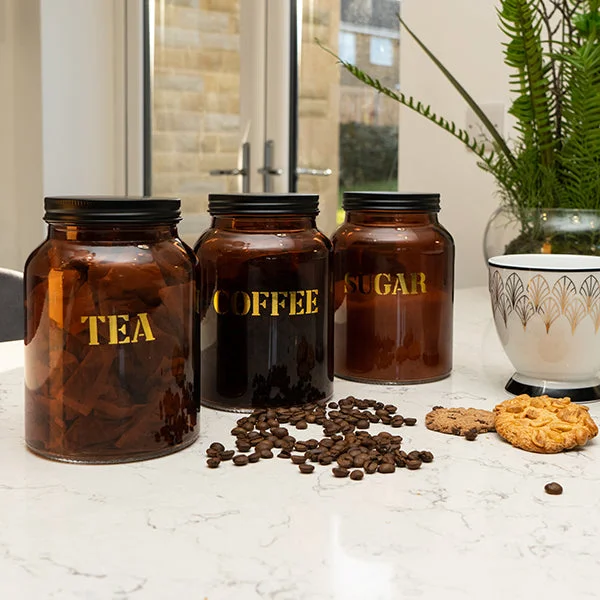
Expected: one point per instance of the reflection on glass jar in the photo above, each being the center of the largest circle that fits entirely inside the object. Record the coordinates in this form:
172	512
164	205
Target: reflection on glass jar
110	373
265	305
393	270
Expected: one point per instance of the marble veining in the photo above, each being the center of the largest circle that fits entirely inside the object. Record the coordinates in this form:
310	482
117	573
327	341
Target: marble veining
474	523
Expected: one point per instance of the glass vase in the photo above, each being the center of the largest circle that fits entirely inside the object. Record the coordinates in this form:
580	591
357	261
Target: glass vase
543	231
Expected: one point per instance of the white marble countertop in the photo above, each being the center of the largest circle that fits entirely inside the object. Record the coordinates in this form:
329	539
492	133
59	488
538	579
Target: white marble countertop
474	523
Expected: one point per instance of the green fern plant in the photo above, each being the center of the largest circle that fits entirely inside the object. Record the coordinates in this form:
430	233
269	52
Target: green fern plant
553	52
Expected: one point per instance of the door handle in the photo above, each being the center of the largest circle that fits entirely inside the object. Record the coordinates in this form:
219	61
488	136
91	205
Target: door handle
268	169
313	172
244	171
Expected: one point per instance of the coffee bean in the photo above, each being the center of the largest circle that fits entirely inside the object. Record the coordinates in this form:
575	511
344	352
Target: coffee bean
306	468
266	454
213	452
284	454
243	445
360	459
386	468
413	464
471	435
240	460
217	446
302	425
553	488
300	447
426	456
264	445
325	459
311	444
254	457
414	455
237	431
363	424
289	439
340	472
357	475
390	408
298	459
410	421
279	432
333	405
345	461
213	463
397	421
386	420
371	467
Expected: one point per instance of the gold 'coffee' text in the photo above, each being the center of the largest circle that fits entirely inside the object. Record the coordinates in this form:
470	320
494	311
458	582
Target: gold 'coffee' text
386	284
122	329
271	304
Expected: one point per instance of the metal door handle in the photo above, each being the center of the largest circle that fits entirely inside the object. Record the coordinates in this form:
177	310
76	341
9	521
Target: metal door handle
228	172
268	169
313	172
244	171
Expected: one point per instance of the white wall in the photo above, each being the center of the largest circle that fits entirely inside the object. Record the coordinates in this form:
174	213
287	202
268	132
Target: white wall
83	96
62	110
20	131
464	34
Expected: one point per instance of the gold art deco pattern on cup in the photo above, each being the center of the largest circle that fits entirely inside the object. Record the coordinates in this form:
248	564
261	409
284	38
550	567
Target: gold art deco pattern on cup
539	299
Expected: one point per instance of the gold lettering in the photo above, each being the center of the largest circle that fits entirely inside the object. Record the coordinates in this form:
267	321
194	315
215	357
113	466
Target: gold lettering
296	307
257	303
276	303
93	328
146	329
420	282
386	286
311	302
349	283
216	302
246	304
400	281
114	330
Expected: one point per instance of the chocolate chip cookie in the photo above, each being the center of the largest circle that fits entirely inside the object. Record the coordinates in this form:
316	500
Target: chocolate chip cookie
459	421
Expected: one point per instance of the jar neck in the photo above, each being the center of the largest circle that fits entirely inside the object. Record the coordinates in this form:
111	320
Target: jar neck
259	223
388	218
110	232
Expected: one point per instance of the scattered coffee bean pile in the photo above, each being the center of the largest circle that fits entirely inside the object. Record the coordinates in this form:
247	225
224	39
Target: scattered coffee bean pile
345	440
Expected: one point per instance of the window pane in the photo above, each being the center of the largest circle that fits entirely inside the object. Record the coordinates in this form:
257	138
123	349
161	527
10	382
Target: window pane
195	103
347	46
381	52
344	125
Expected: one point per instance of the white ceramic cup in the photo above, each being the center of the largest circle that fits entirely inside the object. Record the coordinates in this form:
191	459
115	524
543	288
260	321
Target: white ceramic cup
547	313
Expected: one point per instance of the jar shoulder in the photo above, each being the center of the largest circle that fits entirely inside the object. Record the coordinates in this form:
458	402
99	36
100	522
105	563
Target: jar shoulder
216	241
349	234
60	254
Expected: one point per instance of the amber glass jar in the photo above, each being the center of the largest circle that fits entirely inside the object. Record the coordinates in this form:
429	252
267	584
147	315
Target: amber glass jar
110	350
394	269
266	298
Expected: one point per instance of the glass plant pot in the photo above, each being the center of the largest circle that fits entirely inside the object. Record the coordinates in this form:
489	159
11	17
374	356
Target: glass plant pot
543	231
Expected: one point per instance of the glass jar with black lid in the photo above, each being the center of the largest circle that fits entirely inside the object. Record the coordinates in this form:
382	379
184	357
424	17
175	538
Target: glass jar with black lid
111	371
394	287
266	324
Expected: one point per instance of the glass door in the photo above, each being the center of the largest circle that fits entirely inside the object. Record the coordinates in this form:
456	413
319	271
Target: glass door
241	98
206	102
344	127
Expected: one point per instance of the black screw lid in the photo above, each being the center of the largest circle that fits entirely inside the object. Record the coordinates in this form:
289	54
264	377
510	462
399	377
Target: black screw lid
392	201
112	209
263	204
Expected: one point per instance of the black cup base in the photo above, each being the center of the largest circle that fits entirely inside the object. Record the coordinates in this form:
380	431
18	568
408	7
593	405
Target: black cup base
582	394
